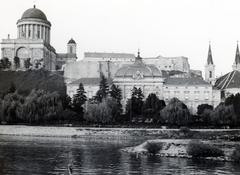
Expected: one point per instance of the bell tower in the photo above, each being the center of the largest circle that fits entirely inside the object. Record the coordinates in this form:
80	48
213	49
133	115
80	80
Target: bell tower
210	67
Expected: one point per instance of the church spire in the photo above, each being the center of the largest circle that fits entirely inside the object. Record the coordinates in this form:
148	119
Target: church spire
209	59
237	56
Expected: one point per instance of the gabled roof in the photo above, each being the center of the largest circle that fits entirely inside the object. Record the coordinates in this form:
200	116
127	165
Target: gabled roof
188	81
107	55
229	80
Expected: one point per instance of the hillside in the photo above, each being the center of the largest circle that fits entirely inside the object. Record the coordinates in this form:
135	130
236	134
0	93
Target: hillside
25	81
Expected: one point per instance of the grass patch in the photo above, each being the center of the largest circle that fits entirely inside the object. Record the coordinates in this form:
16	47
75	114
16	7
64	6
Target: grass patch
236	154
199	149
153	147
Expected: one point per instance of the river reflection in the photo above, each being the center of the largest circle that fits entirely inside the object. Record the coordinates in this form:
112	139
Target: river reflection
26	155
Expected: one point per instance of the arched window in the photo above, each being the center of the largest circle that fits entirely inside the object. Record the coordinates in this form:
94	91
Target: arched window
71	49
210	74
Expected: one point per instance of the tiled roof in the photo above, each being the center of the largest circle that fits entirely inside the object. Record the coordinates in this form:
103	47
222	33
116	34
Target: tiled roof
190	81
229	80
89	81
107	55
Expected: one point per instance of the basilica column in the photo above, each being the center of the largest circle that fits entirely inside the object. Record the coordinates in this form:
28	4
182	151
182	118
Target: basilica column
27	31
32	31
44	35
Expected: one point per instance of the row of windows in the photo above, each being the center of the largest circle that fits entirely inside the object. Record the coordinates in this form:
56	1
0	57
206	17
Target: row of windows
186	87
187	92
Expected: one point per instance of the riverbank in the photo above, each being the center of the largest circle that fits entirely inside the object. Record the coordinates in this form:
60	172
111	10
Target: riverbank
178	148
75	132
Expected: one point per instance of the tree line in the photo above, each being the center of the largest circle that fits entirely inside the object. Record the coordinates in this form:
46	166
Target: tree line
41	107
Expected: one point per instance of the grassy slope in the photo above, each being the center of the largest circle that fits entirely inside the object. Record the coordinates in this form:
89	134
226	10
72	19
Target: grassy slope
25	81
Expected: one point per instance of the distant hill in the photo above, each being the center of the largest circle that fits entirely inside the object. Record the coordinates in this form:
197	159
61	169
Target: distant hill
25	81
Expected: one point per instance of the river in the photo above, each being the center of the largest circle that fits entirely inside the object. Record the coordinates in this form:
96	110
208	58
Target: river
90	156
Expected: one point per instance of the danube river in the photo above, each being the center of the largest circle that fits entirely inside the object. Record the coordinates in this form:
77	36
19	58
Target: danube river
33	156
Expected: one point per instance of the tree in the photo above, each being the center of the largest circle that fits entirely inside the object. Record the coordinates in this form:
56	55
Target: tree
224	115
176	113
204	114
103	91
27	63
105	112
67	102
201	108
5	63
16	62
79	100
42	107
11	110
135	104
152	107
116	93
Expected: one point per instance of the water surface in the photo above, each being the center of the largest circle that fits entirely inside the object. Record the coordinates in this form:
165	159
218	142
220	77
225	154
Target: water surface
29	155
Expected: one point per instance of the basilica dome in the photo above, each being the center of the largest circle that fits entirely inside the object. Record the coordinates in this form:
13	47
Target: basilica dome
34	13
138	70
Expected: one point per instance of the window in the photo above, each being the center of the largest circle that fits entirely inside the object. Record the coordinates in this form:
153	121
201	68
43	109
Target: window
186	92
210	74
71	49
196	92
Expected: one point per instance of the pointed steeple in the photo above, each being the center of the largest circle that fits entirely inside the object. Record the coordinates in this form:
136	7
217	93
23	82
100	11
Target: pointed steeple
237	56
209	59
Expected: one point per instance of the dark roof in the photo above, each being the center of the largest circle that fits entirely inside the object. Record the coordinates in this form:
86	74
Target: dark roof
66	55
71	41
229	80
209	59
34	13
89	81
168	73
190	81
138	68
108	55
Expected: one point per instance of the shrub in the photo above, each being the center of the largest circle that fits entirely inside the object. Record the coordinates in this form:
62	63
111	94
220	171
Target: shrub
236	154
153	147
199	149
184	129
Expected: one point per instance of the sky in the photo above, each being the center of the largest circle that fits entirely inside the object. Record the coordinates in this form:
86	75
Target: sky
158	27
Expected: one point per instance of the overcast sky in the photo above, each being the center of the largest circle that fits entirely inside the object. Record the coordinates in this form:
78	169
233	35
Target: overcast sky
157	27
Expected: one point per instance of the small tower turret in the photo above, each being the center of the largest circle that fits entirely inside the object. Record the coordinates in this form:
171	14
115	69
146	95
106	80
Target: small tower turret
71	47
210	67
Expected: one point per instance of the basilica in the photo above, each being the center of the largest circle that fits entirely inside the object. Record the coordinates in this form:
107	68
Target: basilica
167	77
33	43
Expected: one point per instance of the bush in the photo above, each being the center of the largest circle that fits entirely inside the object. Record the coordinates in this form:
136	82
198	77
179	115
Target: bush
236	154
153	147
199	149
184	129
